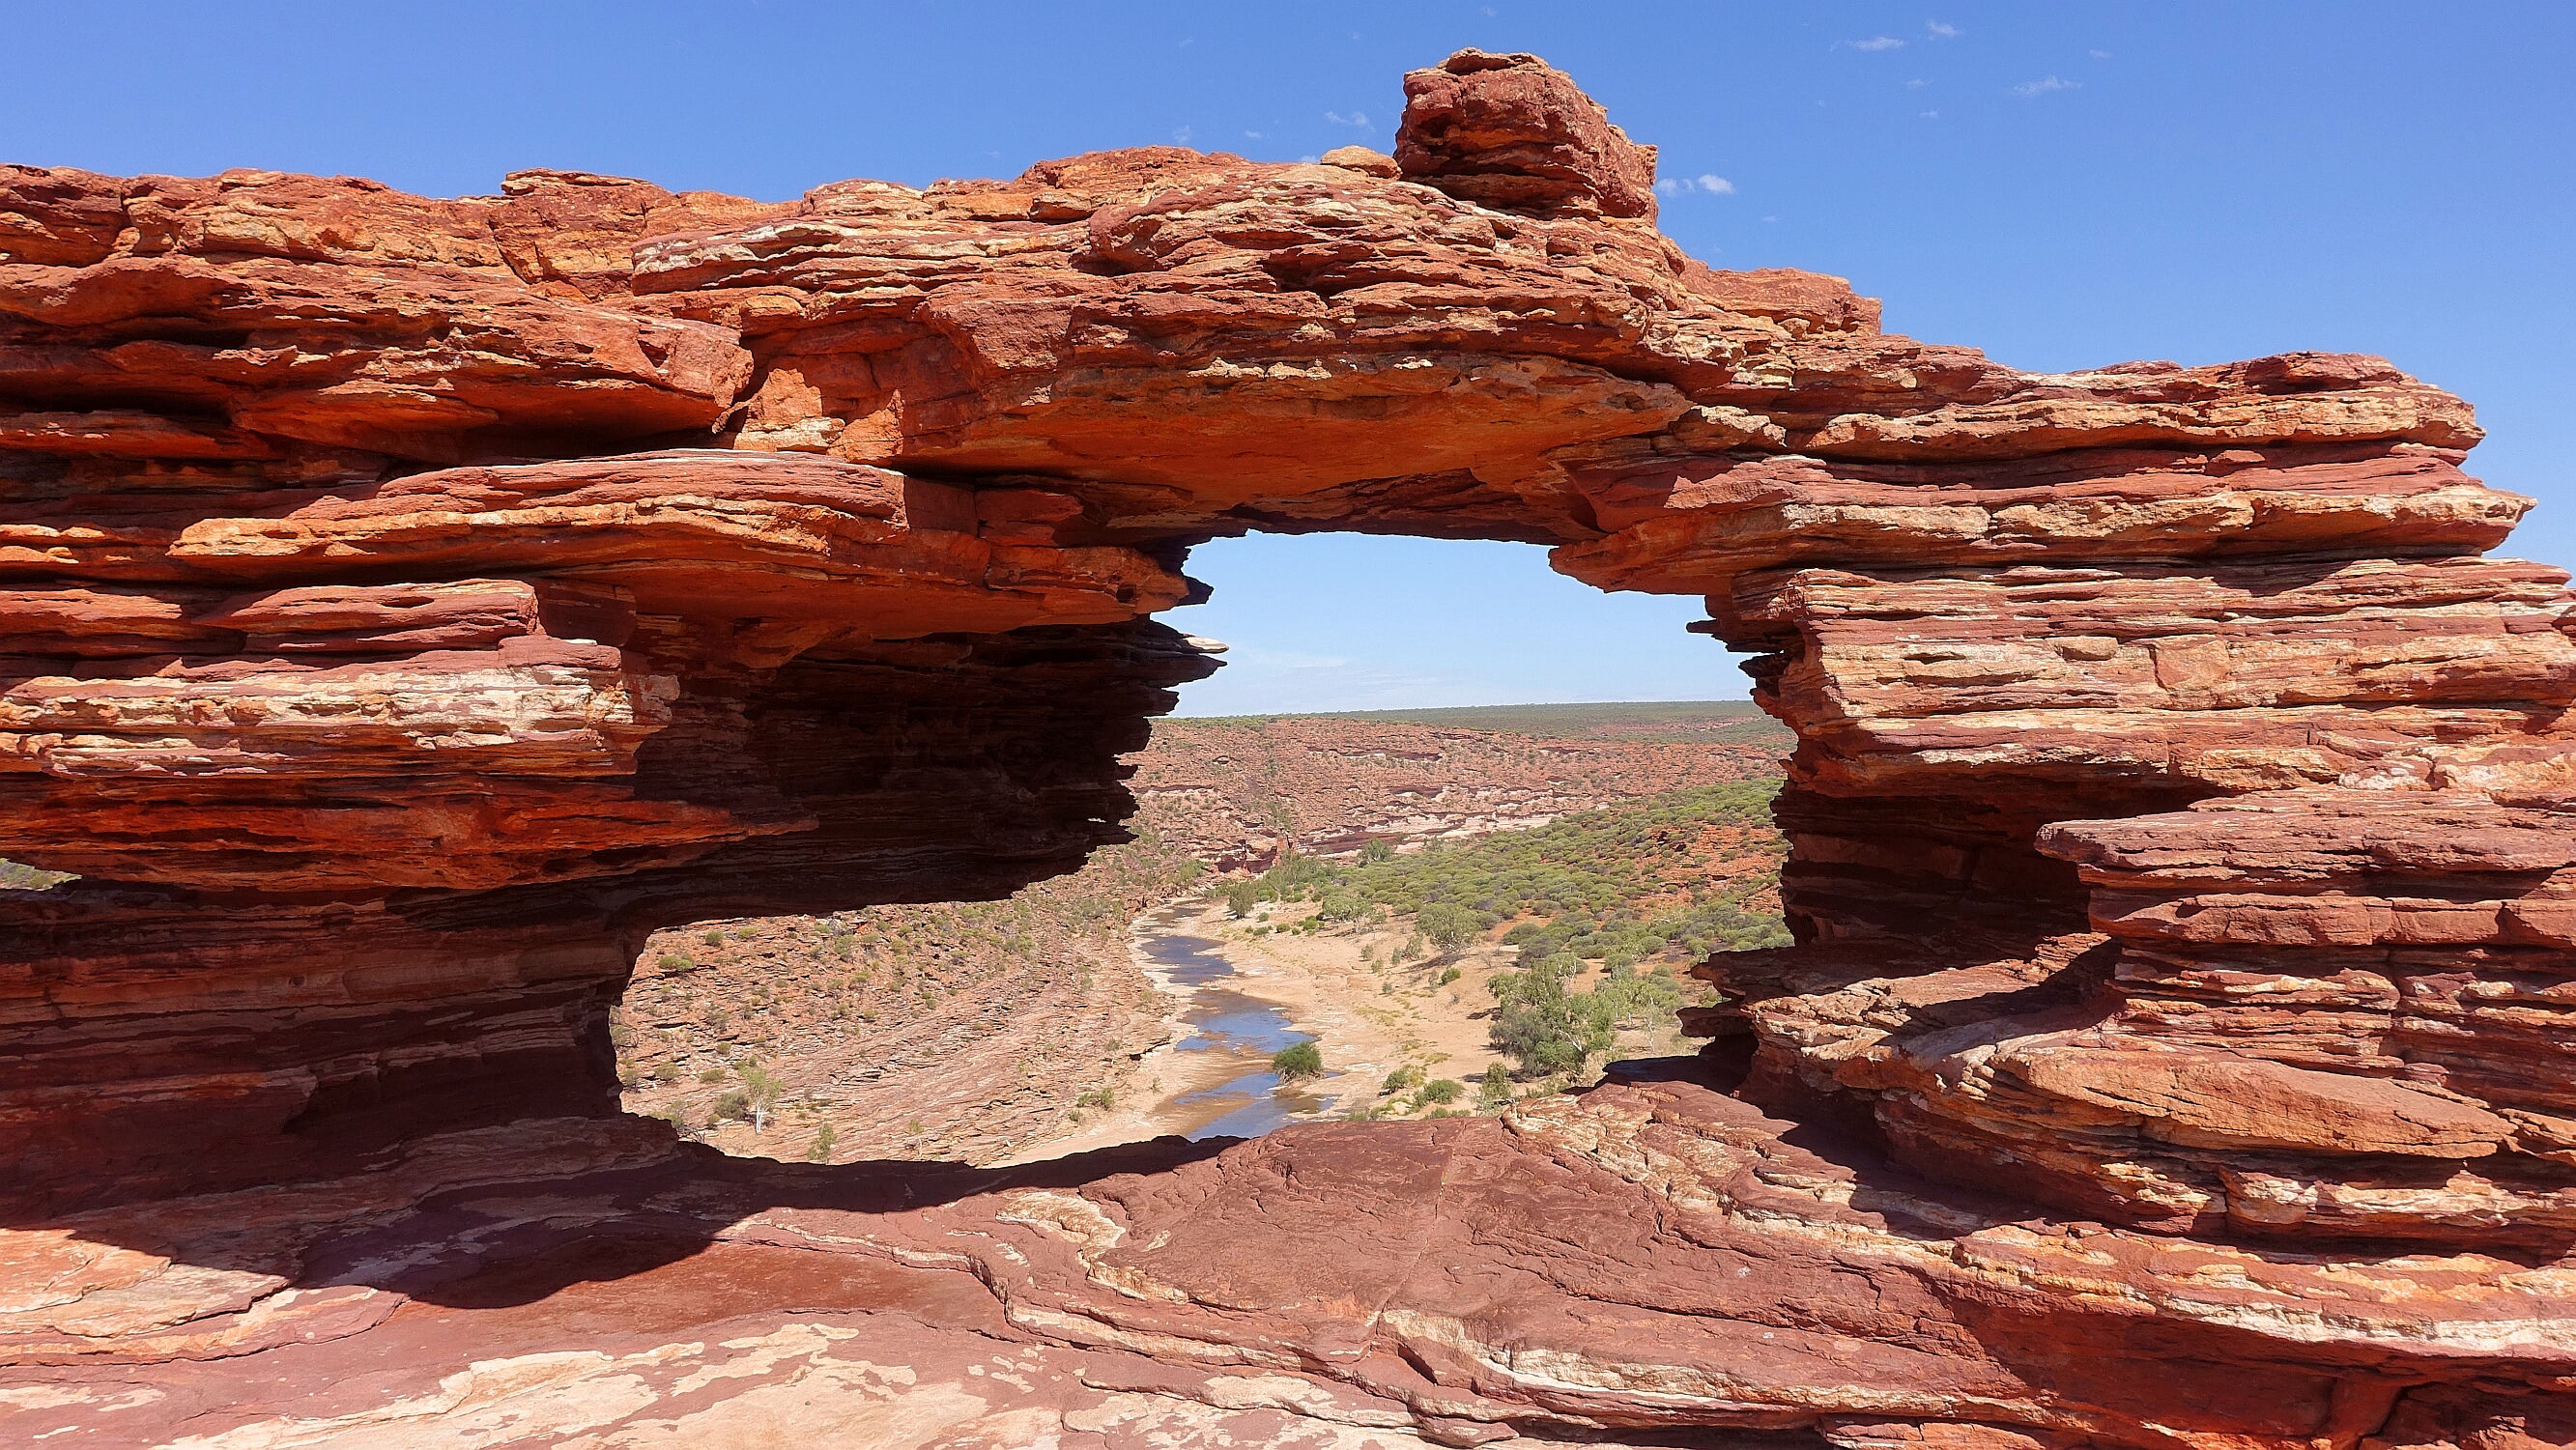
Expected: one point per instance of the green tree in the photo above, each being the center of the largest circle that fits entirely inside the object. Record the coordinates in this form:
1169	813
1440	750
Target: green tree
1542	1027
1303	1060
1494	1089
821	1151
1448	925
1241	897
762	1092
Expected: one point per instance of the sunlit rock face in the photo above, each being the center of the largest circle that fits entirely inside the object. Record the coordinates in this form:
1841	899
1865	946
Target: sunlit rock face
411	604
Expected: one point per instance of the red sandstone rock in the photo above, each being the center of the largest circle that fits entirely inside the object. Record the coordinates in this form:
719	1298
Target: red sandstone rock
1510	132
408	605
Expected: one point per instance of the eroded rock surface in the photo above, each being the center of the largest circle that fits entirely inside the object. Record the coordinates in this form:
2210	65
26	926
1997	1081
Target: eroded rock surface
411	604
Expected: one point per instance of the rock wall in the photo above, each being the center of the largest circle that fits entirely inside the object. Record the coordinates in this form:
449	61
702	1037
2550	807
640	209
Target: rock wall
411	603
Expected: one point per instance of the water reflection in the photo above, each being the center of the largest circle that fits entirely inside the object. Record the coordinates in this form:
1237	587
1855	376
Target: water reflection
1246	1029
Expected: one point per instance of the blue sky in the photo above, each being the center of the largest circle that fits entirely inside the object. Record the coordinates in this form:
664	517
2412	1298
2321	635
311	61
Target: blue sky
2061	185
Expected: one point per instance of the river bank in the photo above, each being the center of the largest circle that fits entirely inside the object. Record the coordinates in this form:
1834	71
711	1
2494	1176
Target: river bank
1241	989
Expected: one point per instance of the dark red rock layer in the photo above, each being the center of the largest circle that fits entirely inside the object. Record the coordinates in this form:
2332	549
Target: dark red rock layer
409	602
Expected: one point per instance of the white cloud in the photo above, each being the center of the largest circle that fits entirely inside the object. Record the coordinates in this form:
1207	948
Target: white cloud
1182	135
1770	219
1931	115
1875	42
1252	136
1356	120
1914	85
1716	185
1707	181
1939	31
2042	87
2099	54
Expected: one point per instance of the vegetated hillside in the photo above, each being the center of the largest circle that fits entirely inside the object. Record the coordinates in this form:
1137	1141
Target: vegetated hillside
973	1030
933	1031
1607	909
1686	720
14	877
1239	792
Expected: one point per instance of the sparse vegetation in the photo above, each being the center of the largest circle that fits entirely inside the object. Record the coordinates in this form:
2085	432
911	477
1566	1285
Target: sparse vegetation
1304	1060
14	877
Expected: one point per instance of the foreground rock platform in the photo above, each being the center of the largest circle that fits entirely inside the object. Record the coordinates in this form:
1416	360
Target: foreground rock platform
1606	1269
409	605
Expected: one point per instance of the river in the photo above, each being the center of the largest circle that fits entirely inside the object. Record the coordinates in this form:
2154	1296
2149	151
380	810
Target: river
1230	1025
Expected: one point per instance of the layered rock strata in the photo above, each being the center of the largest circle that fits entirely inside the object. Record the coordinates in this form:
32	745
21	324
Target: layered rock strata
412	603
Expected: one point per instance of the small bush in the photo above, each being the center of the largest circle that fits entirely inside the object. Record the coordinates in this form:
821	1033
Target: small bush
674	962
1440	1090
821	1151
1450	975
1304	1060
1400	1079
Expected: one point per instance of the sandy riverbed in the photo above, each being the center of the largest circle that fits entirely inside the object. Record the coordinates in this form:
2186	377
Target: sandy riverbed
1370	1019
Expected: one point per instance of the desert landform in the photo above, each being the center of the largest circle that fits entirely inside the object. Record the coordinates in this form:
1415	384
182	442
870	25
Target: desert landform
431	620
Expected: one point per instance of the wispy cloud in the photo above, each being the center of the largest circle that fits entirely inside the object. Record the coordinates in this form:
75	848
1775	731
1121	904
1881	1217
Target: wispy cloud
1356	120
1707	181
1931	115
1914	85
1939	31
2043	86
1716	185
1182	135
1252	136
1875	42
2099	54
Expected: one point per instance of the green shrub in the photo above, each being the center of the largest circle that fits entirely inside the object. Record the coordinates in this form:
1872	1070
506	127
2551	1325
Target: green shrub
1304	1060
1450	975
1400	1079
1440	1090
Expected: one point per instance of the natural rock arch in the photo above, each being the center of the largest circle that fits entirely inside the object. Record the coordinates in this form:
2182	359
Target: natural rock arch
413	603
